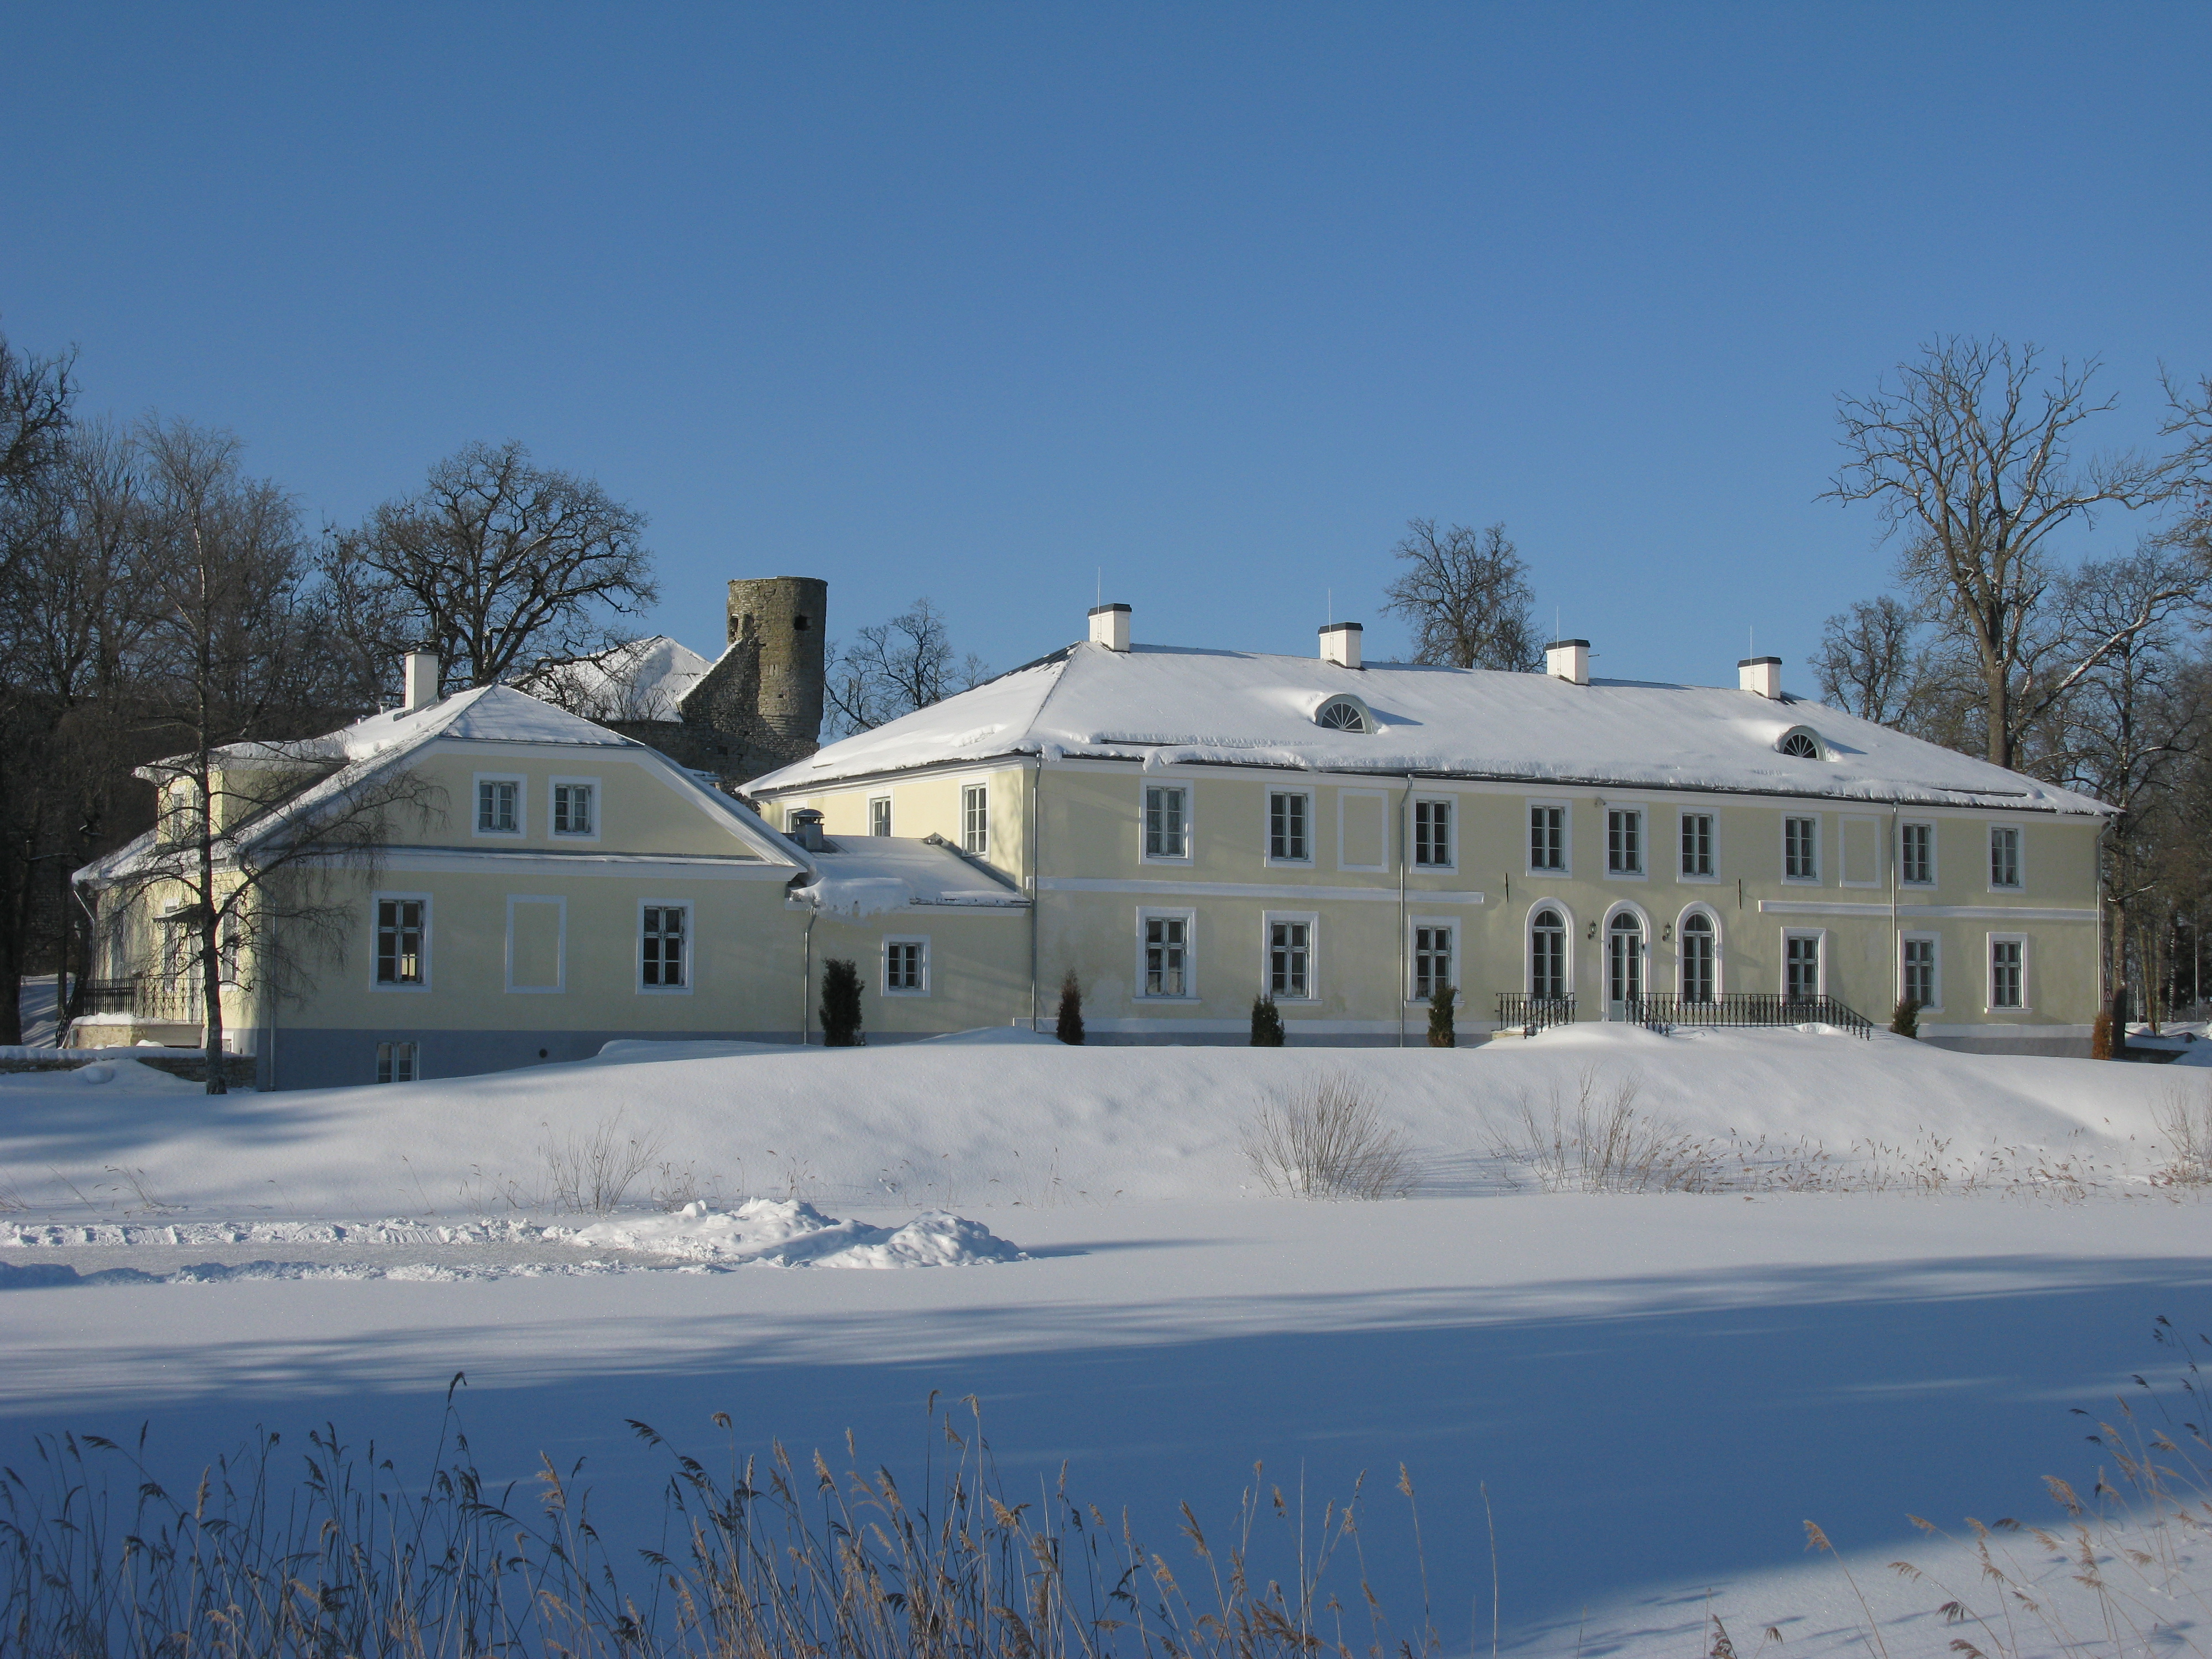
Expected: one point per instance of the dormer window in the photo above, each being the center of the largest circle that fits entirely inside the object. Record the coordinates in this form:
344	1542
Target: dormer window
1801	744
1340	715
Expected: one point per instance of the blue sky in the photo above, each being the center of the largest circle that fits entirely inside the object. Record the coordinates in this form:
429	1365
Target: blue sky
977	301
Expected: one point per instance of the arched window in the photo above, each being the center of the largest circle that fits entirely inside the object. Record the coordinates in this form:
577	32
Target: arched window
1547	954
1624	958
1801	743
1341	714
1699	977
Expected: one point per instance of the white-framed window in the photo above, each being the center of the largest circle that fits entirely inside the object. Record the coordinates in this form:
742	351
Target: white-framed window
1167	824
401	959
975	818
664	946
536	943
1432	834
1801	849
1698	956
1921	962
1289	826
880	815
1548	823
1289	969
1435	957
499	806
906	967
574	813
1550	972
2004	858
1915	854
399	1062
1697	846
1802	967
2009	973
1624	841
1165	963
1624	957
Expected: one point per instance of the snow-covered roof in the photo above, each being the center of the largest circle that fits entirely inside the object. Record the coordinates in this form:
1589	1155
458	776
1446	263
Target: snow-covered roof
871	875
643	679
1167	705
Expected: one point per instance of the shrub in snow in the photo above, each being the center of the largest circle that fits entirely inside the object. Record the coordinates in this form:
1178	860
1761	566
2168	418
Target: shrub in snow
1441	1002
840	1004
595	1171
1905	1018
1070	1028
1266	1022
2183	1116
1326	1139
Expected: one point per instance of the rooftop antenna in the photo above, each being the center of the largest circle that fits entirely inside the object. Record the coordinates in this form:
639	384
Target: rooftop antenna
1101	596
1332	603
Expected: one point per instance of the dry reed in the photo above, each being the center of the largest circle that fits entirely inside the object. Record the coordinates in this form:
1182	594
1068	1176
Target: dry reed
1325	1138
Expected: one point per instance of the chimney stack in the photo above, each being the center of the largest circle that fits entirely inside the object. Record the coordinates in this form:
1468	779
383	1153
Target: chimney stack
1762	674
806	829
1109	626
1339	644
422	677
1568	660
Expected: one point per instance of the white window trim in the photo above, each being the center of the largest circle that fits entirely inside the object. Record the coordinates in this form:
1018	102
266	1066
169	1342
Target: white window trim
1189	822
1936	940
1268	831
1989	860
1651	937
1451	866
1782	848
1934	865
890	823
1567	837
1782	979
1643	816
883	965
429	961
522	783
416	1043
1312	919
1714	818
599	814
984	851
1458	955
1844	823
1529	943
1710	913
1189	920
1990	974
560	944
1343	798
691	948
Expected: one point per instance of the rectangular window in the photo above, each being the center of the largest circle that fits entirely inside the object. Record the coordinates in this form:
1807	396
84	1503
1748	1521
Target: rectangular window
1915	854
664	946
2004	855
1800	979
499	806
1432	961
399	941
397	1062
1801	849
906	965
1697	843
572	812
975	818
1289	958
1286	828
880	815
2006	962
1624	842
1166	956
1920	972
1547	838
1432	834
1165	834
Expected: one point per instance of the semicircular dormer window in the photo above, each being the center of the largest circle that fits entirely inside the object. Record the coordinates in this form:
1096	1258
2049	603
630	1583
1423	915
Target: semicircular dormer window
1801	743
1341	714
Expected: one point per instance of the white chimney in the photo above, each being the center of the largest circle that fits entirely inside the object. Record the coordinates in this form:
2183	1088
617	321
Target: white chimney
1762	674
1339	644
1109	626
422	679
1568	660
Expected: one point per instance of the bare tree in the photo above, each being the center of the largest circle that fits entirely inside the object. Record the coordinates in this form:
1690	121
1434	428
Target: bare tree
1868	660
37	396
1465	594
896	667
498	565
1969	454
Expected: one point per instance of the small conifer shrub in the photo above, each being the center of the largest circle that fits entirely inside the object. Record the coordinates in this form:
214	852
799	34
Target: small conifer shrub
1266	1022
840	1004
1070	1028
1905	1018
1441	1002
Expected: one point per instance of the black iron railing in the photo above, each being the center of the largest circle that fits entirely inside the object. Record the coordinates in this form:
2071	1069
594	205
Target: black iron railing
1532	1014
1664	1012
110	996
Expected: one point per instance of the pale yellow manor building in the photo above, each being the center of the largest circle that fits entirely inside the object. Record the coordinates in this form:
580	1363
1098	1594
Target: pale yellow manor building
1183	829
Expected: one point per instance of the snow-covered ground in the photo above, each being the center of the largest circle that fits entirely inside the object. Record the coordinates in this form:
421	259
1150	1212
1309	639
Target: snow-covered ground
1656	1390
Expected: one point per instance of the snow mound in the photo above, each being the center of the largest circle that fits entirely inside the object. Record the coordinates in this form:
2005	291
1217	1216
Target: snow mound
789	1233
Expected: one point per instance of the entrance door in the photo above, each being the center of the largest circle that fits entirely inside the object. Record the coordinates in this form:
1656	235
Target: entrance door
1624	940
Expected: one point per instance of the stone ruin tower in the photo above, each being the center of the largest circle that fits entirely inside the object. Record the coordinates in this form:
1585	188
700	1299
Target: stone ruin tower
786	616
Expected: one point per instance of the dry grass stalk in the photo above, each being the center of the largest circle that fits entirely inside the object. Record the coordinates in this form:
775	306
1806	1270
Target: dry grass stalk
595	1170
2183	1117
1326	1139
